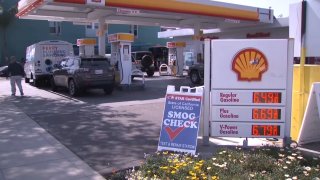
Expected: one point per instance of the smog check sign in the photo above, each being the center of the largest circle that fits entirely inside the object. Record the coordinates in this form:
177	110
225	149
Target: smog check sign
180	123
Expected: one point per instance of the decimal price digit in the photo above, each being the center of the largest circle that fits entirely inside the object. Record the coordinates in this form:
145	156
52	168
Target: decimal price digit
265	130
266	114
266	97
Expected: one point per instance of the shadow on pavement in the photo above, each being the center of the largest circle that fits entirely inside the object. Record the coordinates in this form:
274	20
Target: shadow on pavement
107	139
155	88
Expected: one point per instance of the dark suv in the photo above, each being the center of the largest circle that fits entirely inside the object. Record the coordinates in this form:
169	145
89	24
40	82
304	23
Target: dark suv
143	60
196	73
80	73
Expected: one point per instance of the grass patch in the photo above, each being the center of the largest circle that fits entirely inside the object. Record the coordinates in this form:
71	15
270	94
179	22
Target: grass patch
256	163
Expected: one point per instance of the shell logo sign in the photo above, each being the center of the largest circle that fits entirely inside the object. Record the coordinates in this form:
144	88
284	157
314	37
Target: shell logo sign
249	64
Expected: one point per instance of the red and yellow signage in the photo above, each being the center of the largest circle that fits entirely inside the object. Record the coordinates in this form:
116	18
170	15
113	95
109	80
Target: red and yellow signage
175	44
250	64
123	37
82	42
173	6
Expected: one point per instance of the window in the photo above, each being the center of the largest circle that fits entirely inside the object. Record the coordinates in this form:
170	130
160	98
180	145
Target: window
93	26
134	30
54	28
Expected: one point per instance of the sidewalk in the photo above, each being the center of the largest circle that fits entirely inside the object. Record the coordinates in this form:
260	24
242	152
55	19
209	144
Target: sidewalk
28	152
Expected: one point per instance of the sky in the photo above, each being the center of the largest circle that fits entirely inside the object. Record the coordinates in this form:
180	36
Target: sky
280	7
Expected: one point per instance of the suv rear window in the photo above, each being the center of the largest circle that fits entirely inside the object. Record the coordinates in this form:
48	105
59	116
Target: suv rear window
141	54
95	62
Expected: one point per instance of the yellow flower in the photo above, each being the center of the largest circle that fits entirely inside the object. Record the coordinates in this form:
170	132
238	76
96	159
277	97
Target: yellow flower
165	167
149	171
201	161
173	172
165	152
194	177
215	177
191	172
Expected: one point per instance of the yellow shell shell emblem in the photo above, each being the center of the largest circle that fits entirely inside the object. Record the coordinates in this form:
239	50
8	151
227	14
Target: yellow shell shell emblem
250	64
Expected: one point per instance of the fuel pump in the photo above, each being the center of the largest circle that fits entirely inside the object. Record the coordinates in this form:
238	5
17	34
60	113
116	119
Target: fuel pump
121	55
86	46
175	59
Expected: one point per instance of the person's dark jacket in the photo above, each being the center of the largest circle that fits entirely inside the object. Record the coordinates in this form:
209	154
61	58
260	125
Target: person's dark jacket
15	69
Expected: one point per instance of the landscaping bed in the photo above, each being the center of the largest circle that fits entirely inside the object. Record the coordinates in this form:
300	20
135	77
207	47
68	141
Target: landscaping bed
228	163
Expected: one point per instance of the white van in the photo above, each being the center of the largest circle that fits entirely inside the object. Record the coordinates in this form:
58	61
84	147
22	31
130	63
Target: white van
42	57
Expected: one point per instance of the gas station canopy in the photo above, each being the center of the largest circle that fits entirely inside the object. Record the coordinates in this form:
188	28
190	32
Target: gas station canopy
172	13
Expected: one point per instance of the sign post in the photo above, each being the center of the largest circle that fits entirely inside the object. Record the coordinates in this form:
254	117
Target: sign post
181	120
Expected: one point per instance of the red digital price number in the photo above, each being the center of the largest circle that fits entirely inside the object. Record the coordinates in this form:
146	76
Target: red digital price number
266	114
266	97
265	130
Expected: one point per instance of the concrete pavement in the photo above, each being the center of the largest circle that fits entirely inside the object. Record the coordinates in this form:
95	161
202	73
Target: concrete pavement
107	133
28	152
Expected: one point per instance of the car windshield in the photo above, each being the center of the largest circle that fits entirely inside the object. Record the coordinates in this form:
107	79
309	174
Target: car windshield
94	62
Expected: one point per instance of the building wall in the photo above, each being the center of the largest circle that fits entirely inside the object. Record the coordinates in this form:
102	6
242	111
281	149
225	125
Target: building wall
147	36
22	33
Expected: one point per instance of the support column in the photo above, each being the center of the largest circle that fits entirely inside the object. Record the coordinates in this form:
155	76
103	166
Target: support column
198	53
102	36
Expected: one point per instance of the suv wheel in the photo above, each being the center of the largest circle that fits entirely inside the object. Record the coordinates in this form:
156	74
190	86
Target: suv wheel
195	77
53	85
108	89
36	82
146	61
150	73
73	89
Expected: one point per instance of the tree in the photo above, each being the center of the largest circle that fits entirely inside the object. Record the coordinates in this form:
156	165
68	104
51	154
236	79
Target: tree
6	18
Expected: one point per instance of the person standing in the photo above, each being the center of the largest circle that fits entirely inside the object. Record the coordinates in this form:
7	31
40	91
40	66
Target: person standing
16	73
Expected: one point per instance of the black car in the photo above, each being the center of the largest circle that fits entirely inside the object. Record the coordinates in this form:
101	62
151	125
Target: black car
4	71
144	61
196	73
80	73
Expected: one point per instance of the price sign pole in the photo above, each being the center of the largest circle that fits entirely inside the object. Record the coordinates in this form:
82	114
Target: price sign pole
250	88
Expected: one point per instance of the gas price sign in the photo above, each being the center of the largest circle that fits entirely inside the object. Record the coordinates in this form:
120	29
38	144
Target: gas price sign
249	88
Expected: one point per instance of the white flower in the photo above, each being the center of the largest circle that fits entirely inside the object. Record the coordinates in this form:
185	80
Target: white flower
300	157
294	177
291	158
281	155
288	162
308	168
286	175
294	154
285	167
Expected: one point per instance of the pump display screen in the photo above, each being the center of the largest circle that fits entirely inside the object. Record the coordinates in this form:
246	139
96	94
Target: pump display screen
265	130
266	114
266	97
